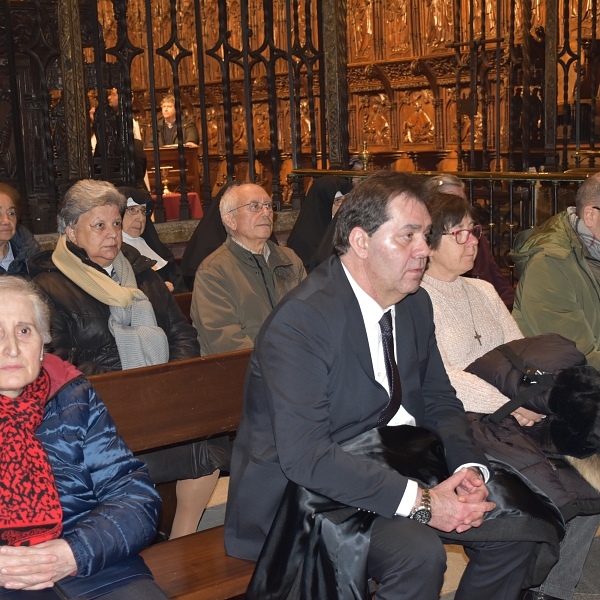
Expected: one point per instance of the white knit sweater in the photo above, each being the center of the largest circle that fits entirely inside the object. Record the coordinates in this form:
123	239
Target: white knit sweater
455	332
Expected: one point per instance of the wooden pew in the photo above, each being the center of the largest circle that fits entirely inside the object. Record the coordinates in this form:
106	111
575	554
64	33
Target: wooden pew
169	404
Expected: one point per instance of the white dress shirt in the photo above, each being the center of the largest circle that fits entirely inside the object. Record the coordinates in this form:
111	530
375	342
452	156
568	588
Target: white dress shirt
372	313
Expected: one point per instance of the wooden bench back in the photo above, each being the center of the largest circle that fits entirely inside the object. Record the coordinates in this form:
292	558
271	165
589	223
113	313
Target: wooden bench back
176	402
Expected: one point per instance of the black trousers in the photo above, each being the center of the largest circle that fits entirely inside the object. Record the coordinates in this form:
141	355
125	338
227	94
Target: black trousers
408	561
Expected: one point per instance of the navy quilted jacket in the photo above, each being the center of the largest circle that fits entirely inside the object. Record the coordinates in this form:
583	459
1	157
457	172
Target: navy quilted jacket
110	506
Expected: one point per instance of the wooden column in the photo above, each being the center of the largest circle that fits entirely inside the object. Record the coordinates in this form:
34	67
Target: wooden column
69	31
551	86
336	81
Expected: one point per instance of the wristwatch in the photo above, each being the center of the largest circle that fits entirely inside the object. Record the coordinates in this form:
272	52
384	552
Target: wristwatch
422	513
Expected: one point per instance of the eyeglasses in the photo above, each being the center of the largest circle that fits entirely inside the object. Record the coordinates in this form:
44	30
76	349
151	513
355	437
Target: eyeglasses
256	206
137	210
462	235
596	207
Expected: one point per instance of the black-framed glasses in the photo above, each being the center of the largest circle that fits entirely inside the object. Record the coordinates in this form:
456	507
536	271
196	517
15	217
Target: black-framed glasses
256	206
596	207
137	210
462	235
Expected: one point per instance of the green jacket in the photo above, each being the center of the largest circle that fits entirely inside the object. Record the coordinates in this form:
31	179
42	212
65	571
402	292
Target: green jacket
557	290
234	292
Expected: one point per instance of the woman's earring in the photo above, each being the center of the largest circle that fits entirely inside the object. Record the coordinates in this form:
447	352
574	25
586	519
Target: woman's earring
42	358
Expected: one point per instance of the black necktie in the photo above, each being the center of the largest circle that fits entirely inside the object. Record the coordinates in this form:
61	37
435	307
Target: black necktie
391	368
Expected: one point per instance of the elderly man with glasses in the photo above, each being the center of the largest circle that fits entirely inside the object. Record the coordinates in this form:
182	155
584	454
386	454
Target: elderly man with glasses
238	285
558	265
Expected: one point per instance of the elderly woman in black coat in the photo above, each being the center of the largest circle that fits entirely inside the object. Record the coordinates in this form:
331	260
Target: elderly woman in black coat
110	311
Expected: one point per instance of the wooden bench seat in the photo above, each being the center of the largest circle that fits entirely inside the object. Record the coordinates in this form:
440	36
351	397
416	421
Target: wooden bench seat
168	404
195	567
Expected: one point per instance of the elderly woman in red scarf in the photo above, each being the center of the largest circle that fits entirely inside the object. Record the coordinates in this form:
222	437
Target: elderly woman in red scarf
76	507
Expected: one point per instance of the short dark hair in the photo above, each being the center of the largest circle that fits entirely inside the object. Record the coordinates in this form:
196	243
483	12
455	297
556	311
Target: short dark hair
588	193
8	190
366	206
446	211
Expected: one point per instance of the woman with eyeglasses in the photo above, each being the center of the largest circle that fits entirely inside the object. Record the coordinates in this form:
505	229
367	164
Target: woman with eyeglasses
139	232
470	317
470	320
110	311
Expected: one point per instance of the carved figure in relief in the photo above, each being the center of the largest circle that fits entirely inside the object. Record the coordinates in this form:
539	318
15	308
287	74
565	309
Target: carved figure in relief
438	22
376	126
586	9
234	20
305	124
212	127
261	125
238	117
418	128
362	25
490	17
397	20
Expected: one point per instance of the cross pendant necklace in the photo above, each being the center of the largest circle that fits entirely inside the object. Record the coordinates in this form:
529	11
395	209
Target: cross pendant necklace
476	336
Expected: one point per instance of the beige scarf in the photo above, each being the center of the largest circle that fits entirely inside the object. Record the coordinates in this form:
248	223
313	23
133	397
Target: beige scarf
132	321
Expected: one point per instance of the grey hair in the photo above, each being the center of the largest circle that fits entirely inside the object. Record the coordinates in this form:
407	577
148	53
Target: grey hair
84	196
230	196
444	183
17	286
588	193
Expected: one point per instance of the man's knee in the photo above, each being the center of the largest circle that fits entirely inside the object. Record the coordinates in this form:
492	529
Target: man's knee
400	543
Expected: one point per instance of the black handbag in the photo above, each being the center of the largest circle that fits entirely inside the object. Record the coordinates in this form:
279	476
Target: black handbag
548	375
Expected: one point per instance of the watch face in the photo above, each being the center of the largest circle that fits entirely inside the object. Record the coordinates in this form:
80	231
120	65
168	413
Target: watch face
422	516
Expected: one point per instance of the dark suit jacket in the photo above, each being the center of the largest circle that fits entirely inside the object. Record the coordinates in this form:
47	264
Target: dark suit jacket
310	386
188	125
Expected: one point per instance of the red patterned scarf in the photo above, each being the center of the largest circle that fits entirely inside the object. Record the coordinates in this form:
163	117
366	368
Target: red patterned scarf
30	510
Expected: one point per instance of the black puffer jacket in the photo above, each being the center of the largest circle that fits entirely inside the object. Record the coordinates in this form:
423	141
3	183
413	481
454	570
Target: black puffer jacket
80	331
23	245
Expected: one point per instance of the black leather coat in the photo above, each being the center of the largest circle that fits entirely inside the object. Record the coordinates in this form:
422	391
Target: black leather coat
79	322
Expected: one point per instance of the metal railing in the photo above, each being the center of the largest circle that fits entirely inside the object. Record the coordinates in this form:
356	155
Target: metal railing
508	202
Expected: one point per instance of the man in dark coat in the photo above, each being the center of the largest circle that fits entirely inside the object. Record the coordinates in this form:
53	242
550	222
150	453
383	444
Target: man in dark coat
319	376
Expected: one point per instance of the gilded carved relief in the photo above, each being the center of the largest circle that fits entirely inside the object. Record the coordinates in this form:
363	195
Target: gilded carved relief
397	19
375	117
261	126
360	15
438	19
240	143
418	125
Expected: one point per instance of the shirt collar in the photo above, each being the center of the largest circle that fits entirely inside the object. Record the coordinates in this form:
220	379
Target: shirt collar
370	309
266	250
8	258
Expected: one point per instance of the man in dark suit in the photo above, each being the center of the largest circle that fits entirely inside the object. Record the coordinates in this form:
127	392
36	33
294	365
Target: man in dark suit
319	376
